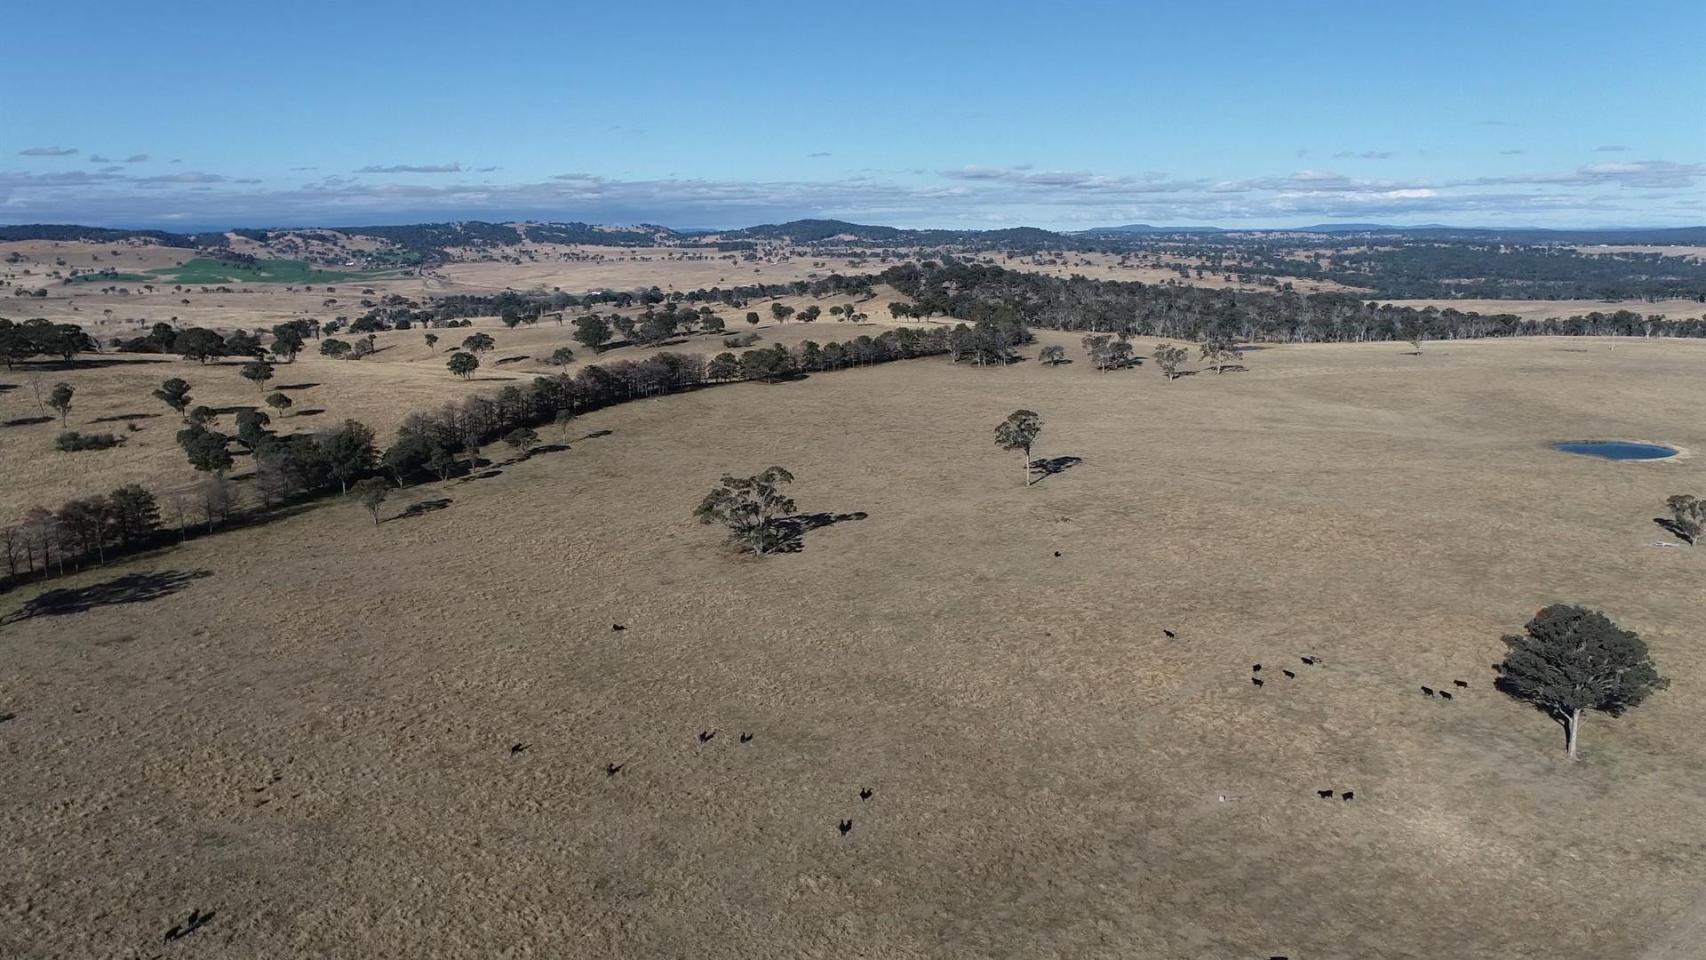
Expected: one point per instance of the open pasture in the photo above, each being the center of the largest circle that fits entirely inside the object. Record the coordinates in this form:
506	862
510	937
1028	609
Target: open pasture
308	728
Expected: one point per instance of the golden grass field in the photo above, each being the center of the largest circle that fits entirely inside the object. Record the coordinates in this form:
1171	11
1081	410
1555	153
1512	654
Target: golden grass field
405	375
309	732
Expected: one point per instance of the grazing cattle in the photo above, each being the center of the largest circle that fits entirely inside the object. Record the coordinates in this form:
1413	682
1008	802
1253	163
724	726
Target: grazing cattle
1057	553
1324	794
1460	683
612	769
517	748
1289	675
1444	696
1256	680
1255	668
1310	661
845	826
1350	794
746	738
1428	690
617	627
1170	634
706	735
865	793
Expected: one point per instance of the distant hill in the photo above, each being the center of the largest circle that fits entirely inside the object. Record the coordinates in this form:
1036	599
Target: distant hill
1146	228
817	231
430	241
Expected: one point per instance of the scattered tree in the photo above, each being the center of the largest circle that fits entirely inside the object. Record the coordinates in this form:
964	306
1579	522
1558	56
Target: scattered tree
1571	659
478	343
463	364
287	341
257	372
1688	516
175	393
349	452
279	401
372	492
1219	353
1052	355
60	400
522	439
1018	432
593	331
432	342
1168	358
750	507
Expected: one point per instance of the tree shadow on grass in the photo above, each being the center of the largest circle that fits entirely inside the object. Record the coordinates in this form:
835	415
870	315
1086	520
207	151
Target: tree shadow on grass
793	529
1675	529
130	588
421	508
1053	465
296	386
125	417
309	412
25	421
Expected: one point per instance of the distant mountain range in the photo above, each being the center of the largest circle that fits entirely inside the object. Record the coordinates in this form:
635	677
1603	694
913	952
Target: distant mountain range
1682	235
431	238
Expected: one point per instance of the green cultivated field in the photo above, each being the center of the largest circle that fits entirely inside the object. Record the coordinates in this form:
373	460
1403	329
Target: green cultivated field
204	270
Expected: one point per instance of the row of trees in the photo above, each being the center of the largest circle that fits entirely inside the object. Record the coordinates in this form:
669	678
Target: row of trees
82	530
977	292
37	338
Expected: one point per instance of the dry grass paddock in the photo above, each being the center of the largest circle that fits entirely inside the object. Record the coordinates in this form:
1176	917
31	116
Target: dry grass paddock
114	391
306	727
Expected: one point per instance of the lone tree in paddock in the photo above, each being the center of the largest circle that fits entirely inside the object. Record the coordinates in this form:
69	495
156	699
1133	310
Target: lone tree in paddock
1688	516
1168	358
372	493
1018	432
1571	659
463	364
751	508
279	401
175	393
478	343
1219	353
1052	355
432	342
60	401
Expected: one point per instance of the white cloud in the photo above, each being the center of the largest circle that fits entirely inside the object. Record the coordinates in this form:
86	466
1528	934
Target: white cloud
413	168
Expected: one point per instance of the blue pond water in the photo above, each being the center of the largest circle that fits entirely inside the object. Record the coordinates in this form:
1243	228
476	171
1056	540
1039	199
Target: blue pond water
1617	450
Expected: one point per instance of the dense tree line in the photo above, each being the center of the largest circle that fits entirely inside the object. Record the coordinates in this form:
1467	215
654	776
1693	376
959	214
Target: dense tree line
38	337
981	292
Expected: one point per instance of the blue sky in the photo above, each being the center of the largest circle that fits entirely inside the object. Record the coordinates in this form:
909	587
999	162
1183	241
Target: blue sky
988	114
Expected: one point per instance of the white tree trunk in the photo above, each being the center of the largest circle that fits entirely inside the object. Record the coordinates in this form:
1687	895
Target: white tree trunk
1571	727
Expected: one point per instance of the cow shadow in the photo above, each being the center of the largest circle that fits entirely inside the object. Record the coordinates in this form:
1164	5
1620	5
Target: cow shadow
130	588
